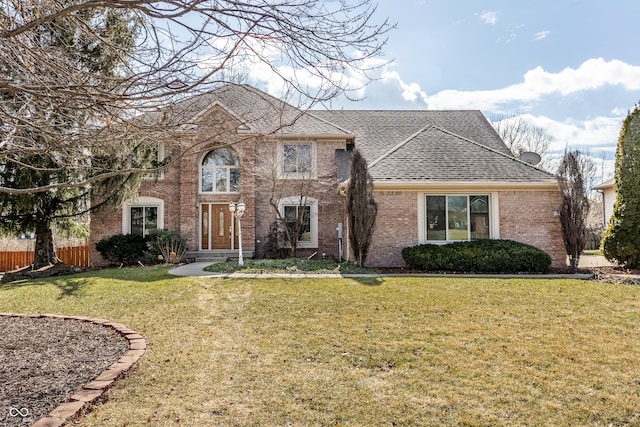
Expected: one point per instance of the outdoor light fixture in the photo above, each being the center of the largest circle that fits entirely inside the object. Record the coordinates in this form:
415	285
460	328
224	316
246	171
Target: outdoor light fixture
237	210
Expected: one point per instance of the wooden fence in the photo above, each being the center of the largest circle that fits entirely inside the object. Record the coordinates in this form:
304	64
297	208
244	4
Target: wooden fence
77	256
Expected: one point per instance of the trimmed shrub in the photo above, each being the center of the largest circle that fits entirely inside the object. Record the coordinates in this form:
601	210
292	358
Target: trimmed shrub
123	248
480	256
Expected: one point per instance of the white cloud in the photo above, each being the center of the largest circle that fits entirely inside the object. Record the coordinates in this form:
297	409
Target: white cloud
596	134
266	64
590	75
489	17
391	91
541	35
410	92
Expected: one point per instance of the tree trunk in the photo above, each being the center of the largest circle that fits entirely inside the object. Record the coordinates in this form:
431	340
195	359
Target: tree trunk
44	252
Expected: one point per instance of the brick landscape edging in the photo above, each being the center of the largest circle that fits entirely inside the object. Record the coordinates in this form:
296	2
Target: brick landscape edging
94	389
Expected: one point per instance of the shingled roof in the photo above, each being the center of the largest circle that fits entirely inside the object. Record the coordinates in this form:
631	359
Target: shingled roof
427	146
260	112
400	145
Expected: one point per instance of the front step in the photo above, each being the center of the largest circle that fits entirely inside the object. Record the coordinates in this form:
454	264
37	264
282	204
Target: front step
216	256
212	260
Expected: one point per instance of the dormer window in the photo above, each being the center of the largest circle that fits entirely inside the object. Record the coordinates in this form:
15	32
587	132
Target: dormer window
220	171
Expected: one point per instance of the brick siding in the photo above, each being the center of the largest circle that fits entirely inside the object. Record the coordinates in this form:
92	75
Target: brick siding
525	216
531	217
396	228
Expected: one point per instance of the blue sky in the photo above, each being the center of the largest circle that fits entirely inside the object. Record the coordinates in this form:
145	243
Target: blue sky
570	66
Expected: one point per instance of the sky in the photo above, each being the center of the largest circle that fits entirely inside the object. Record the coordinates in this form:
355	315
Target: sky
571	67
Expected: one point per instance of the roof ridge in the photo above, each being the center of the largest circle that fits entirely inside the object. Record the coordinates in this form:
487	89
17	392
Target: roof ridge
398	146
493	150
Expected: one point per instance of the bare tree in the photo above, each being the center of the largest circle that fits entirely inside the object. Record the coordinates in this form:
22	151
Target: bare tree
361	207
520	136
290	176
575	203
98	131
181	48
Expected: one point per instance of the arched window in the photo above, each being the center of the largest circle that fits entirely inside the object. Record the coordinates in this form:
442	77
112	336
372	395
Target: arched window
220	172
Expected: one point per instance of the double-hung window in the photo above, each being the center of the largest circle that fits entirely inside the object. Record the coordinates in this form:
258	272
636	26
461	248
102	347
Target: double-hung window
301	218
220	172
143	216
457	217
159	155
144	220
297	159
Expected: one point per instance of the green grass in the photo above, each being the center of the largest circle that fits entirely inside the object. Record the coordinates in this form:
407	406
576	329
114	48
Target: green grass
288	265
373	351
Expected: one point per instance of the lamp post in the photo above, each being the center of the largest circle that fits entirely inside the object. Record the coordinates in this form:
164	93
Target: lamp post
237	210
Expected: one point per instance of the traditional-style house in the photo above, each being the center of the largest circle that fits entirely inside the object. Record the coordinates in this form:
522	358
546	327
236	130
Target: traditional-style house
439	176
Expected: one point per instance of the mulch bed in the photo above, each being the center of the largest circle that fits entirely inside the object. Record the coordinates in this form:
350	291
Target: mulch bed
44	361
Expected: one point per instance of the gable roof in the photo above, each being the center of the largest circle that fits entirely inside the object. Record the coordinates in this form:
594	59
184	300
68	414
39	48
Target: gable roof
260	112
434	154
400	145
427	146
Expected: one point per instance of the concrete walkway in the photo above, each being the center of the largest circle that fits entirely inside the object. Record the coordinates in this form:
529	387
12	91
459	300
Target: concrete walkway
196	269
590	261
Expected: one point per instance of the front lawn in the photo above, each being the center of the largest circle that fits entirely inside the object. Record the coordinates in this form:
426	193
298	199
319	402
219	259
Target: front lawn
356	352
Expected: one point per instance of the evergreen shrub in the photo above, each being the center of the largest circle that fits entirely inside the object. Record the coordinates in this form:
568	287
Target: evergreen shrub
480	256
125	249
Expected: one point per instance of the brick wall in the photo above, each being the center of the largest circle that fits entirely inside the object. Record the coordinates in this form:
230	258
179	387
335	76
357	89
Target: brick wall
322	187
179	188
531	217
525	216
396	228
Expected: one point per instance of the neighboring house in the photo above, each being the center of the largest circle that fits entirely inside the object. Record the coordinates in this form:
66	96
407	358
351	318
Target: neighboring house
439	176
608	199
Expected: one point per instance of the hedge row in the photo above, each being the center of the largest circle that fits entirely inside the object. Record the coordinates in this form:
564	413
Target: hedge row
481	256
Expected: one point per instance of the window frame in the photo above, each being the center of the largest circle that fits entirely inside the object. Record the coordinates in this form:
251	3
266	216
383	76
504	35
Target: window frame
142	202
213	171
310	173
493	215
313	218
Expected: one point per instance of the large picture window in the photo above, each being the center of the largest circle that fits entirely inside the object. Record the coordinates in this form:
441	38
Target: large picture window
220	172
457	217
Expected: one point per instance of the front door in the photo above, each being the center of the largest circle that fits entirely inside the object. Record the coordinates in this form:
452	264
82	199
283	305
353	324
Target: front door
215	226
